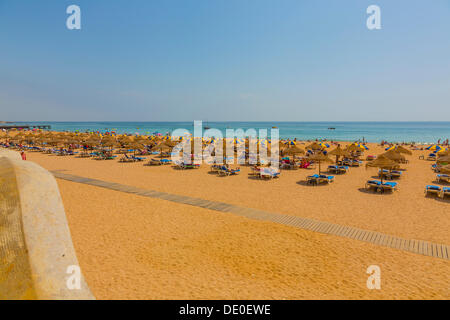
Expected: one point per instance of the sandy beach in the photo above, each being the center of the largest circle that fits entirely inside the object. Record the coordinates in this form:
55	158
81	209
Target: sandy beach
134	247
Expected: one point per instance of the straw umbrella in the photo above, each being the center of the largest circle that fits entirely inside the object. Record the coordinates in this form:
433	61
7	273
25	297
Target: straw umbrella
135	146
162	147
444	159
339	152
445	169
399	149
293	150
444	152
320	157
393	155
315	146
382	162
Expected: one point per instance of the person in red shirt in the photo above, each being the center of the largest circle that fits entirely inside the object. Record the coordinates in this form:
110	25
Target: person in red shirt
24	156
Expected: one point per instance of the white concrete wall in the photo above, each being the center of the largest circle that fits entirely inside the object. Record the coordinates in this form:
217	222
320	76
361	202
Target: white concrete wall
36	248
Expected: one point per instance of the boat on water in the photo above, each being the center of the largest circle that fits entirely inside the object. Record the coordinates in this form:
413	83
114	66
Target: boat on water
331	128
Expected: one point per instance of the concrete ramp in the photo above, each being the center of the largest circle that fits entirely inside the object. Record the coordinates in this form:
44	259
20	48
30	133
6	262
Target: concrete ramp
37	258
10	154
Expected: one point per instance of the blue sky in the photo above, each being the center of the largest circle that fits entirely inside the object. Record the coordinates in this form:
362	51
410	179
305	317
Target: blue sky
224	60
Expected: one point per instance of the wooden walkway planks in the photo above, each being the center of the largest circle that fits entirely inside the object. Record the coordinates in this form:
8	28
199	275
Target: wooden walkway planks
426	248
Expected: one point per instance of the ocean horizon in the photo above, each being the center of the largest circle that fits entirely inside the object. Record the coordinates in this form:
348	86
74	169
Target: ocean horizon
370	131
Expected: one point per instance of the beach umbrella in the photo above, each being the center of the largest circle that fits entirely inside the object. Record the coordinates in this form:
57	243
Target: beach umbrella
320	157
109	144
92	142
393	155
434	147
339	152
357	147
315	146
293	150
399	149
445	169
162	147
134	146
402	149
443	152
444	159
382	162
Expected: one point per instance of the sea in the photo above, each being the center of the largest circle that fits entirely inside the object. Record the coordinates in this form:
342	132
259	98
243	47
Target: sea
418	132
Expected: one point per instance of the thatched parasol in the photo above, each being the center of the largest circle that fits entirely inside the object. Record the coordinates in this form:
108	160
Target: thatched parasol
320	157
314	146
444	159
382	162
393	155
339	152
402	149
293	150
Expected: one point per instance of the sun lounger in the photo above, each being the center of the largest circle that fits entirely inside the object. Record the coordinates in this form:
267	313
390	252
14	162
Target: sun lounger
154	162
431	157
443	178
430	189
355	163
126	158
378	186
189	166
267	173
338	169
392	186
390	174
224	171
445	192
317	179
373	184
333	169
215	168
342	169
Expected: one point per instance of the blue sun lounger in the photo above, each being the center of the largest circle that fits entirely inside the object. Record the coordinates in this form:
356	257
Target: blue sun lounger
445	192
333	169
390	174
373	184
443	177
432	189
224	171
392	186
267	173
316	179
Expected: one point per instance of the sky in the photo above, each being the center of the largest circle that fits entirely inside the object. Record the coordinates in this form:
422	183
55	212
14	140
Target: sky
225	60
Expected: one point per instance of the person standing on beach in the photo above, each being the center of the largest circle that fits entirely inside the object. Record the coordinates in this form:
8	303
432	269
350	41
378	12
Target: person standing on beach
23	155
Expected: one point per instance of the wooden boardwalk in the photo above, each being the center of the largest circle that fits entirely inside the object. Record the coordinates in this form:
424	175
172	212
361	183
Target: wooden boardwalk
415	246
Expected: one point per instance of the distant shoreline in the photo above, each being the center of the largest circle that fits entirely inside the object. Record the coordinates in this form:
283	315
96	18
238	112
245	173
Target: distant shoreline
419	132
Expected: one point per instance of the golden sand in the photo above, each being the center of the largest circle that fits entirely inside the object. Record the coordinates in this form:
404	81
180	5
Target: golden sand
136	247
